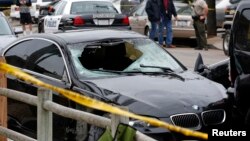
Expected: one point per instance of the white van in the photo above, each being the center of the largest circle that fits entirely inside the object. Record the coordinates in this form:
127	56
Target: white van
34	9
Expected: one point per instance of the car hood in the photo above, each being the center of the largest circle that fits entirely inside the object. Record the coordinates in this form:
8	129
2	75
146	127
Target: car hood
5	40
162	96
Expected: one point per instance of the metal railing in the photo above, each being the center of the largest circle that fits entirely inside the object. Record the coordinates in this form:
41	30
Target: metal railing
45	108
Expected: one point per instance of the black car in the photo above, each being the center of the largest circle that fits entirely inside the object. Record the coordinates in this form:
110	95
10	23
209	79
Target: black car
121	67
7	32
239	52
78	14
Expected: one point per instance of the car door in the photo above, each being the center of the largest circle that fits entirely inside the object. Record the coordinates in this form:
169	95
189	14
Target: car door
44	60
52	22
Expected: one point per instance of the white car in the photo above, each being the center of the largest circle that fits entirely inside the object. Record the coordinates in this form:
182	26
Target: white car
78	14
182	28
220	11
34	9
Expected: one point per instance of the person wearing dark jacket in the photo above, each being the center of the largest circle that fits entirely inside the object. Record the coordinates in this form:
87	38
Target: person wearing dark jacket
167	9
153	11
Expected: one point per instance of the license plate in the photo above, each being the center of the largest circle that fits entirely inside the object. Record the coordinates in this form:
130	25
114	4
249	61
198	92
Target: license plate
103	22
103	15
181	23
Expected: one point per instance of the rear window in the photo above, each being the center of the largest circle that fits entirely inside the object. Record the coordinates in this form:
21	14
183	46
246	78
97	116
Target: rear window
184	10
85	7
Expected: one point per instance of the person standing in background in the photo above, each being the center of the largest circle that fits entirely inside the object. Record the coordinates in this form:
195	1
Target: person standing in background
200	11
25	17
167	10
153	11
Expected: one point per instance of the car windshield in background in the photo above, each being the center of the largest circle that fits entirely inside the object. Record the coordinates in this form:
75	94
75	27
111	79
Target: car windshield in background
85	7
102	59
4	27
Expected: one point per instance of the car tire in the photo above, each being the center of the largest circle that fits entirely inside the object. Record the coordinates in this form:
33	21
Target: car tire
226	38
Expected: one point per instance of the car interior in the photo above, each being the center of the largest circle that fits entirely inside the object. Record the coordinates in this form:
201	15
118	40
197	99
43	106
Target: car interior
109	57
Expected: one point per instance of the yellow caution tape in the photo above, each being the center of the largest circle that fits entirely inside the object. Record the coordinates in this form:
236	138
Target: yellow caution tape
95	104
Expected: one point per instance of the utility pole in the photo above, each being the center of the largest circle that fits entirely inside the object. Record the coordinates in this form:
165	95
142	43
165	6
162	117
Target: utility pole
211	19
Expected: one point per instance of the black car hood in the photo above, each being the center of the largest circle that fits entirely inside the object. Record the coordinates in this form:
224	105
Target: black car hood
162	96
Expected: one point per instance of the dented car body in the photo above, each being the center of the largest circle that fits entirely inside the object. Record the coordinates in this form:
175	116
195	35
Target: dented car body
118	67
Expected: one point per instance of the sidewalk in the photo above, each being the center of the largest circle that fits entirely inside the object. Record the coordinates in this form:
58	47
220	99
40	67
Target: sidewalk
215	42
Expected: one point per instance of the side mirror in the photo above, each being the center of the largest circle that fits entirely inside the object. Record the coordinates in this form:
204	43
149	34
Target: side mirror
199	65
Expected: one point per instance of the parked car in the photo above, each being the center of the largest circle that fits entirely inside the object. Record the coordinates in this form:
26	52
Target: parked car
116	66
34	9
220	12
238	67
182	28
7	33
239	50
76	14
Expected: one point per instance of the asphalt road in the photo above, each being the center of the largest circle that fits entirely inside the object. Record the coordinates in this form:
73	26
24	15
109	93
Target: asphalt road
184	51
188	56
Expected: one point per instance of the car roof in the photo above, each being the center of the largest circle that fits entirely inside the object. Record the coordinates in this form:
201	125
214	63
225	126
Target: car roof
85	35
96	34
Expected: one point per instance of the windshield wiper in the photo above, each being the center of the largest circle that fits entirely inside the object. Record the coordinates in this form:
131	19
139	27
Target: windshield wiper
115	72
170	73
166	71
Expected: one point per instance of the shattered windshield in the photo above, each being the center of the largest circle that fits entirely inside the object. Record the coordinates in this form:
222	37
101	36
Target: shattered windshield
104	58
